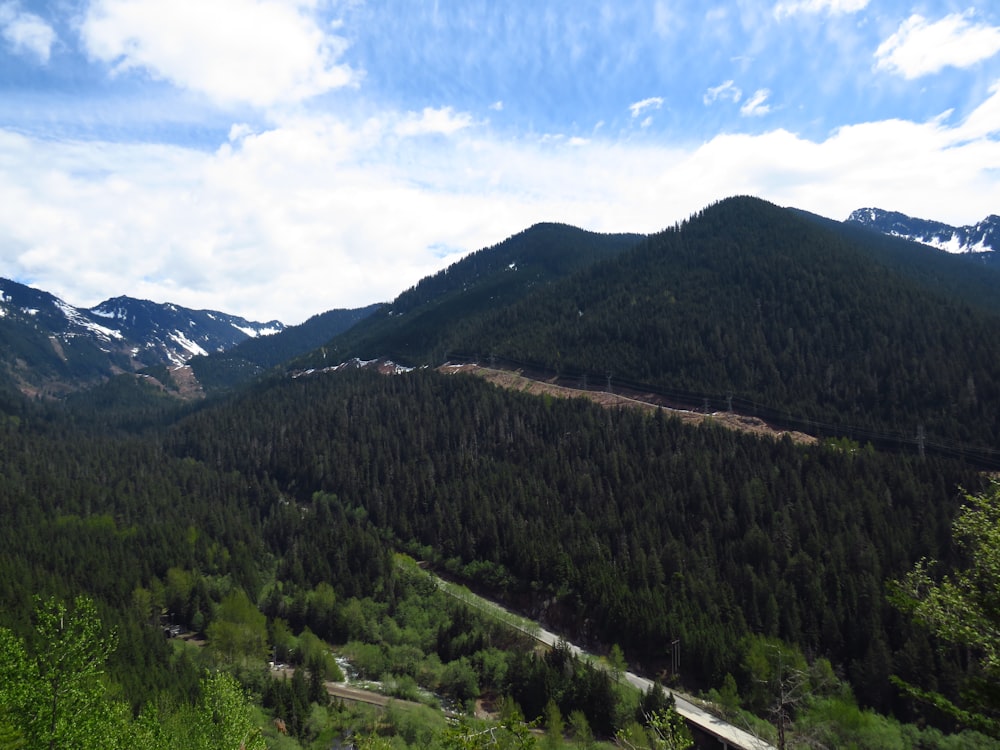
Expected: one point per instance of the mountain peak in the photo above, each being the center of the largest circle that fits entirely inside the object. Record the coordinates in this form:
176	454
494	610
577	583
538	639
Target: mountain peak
983	237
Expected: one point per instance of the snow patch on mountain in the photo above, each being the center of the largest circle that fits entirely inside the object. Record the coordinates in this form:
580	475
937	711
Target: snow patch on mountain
253	333
76	318
189	345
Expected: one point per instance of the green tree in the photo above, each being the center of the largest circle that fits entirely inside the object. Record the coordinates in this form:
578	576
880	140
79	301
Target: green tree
963	608
239	631
51	687
617	663
582	732
225	716
665	730
554	726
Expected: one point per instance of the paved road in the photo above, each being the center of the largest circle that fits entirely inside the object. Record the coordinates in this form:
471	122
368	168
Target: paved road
732	736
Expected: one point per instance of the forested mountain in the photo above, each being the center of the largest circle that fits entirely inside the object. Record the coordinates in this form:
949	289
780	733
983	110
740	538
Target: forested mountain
765	304
52	347
417	325
253	356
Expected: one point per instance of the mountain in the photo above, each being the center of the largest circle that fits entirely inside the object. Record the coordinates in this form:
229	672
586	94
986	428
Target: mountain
51	347
745	301
250	358
981	240
422	320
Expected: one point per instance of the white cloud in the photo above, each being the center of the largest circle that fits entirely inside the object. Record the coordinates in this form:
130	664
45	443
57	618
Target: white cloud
920	48
665	19
258	52
443	121
497	106
653	102
727	90
756	105
25	32
796	7
321	212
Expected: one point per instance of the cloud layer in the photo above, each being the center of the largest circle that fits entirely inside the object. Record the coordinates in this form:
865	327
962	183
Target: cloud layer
316	213
278	158
26	33
259	52
921	47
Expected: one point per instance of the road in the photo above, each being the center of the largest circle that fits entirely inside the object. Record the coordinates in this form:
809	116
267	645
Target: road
731	736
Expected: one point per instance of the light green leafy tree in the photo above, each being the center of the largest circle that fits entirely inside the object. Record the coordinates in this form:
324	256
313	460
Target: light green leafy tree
665	730
221	720
52	688
238	633
963	608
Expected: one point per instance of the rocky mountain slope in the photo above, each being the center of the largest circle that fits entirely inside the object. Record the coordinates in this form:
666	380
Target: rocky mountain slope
50	346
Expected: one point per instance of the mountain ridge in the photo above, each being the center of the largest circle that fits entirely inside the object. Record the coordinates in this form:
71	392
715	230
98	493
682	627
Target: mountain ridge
982	238
808	316
52	347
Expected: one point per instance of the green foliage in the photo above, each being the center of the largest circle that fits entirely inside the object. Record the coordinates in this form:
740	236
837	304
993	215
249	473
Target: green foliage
581	731
554	726
238	632
664	730
645	530
963	607
508	734
52	685
53	694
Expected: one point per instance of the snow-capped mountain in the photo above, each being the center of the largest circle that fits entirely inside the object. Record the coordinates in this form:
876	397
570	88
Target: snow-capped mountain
982	238
176	333
48	345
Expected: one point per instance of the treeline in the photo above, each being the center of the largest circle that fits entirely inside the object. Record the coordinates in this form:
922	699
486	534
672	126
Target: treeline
642	530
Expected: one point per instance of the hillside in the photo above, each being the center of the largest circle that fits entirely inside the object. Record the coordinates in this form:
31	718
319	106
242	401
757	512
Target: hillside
418	325
766	305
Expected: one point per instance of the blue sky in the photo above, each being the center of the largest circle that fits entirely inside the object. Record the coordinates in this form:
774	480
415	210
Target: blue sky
279	158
